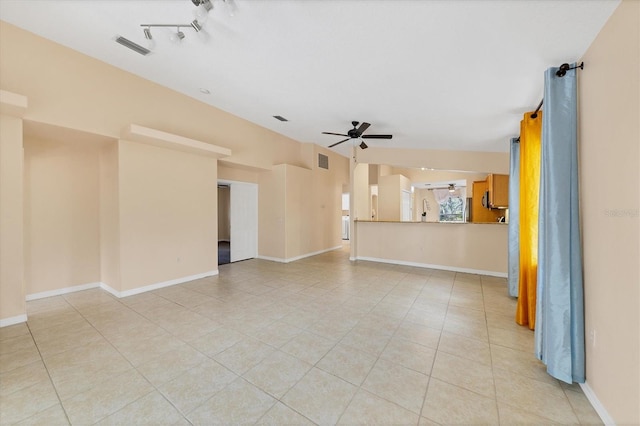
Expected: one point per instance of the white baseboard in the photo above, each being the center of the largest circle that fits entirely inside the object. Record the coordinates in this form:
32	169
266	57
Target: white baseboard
60	291
439	267
293	259
13	320
156	286
597	405
116	293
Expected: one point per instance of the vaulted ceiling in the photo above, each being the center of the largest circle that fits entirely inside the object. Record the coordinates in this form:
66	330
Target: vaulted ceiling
436	74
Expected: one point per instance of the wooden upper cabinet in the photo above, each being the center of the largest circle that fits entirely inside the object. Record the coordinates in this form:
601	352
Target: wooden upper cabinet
479	213
498	191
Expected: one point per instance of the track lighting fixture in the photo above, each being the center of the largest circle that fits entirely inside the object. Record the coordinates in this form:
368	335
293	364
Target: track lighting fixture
201	14
174	37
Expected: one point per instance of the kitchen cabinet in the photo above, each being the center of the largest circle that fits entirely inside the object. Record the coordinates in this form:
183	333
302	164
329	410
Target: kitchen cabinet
479	213
498	187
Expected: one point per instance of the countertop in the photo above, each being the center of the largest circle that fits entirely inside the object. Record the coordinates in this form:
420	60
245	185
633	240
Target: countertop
441	223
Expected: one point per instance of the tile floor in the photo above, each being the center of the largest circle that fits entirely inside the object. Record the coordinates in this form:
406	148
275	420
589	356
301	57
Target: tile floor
318	341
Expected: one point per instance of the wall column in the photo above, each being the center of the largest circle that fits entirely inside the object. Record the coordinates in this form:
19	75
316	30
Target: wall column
13	307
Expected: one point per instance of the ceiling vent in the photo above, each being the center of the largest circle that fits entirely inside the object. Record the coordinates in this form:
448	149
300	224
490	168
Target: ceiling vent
323	161
133	46
279	117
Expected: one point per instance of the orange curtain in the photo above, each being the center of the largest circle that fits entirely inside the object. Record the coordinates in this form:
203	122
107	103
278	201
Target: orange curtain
530	130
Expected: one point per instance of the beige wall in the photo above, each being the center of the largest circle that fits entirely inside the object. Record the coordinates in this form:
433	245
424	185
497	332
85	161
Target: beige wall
12	295
609	94
478	248
390	189
360	199
62	227
325	227
298	210
301	207
271	220
237	174
168	207
109	216
489	162
141	233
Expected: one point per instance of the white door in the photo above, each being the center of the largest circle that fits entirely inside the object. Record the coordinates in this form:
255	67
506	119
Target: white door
406	206
243	214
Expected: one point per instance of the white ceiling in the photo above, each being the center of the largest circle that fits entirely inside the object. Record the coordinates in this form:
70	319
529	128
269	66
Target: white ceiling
436	74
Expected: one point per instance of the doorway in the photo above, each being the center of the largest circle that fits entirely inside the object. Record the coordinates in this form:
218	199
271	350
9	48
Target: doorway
224	224
237	221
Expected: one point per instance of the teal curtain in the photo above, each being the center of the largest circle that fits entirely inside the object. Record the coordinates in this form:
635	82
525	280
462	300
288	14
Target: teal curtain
559	332
514	218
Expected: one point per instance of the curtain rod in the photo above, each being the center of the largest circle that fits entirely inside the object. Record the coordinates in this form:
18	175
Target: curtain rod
562	71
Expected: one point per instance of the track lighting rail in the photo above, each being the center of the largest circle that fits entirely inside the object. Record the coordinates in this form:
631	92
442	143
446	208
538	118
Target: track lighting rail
167	25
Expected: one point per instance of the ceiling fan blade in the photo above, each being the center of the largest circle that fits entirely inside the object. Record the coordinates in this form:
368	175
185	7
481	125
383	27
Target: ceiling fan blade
376	136
362	128
338	143
337	134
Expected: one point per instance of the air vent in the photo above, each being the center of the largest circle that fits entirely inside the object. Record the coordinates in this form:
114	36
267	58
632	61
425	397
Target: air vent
133	46
323	161
279	117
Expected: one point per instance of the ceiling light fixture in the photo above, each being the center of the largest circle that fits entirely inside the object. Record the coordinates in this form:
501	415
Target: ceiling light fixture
201	13
175	37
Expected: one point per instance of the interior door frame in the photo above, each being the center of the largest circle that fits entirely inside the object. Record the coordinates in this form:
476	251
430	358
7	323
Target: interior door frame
254	217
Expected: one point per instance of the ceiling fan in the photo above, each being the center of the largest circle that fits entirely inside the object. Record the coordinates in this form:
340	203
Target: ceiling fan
357	132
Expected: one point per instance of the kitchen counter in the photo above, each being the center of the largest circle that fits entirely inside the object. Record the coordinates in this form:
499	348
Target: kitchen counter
442	223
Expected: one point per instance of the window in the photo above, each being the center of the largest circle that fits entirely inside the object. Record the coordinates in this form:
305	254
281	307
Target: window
452	210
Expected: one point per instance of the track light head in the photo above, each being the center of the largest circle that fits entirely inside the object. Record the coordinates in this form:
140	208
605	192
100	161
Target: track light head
147	33
177	36
196	25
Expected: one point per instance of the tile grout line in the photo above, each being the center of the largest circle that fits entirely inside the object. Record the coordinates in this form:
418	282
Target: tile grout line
128	361
44	364
433	363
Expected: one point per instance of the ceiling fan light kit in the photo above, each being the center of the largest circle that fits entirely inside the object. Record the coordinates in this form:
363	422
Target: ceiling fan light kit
357	133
